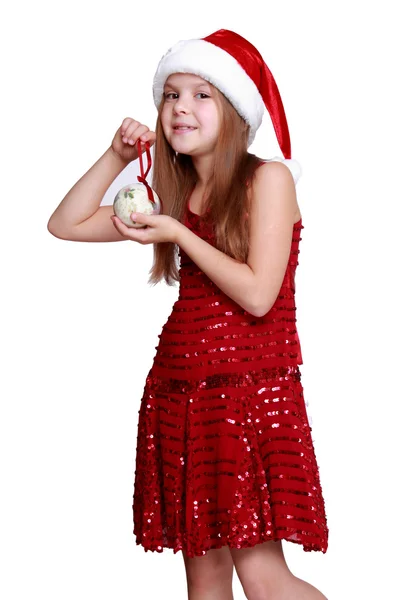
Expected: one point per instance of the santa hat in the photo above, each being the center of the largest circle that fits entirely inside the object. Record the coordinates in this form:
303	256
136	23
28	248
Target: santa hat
234	66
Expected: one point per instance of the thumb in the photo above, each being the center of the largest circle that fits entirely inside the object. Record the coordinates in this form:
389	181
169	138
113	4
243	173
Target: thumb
139	217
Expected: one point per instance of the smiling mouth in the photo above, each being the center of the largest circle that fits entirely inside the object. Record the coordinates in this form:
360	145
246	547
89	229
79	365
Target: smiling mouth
184	128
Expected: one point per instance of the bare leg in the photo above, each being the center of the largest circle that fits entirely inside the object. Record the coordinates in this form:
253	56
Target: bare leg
298	589
209	577
265	575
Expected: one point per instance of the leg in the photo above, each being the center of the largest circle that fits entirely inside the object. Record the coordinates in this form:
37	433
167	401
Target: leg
209	577
264	574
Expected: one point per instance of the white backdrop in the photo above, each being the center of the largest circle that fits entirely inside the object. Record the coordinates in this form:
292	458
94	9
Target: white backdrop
80	323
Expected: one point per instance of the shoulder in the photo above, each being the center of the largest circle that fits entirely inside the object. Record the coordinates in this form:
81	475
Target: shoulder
273	190
272	176
270	171
278	167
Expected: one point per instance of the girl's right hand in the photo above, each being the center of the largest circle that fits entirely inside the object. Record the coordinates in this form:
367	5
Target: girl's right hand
130	131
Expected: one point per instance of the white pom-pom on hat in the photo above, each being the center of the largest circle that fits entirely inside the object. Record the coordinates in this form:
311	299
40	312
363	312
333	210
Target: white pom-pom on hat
292	164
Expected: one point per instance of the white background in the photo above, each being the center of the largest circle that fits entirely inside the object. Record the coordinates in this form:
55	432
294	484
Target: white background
80	323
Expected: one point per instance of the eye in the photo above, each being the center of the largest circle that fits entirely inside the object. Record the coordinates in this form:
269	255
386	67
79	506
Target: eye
168	96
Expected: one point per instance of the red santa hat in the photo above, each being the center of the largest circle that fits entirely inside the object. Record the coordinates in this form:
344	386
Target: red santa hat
234	66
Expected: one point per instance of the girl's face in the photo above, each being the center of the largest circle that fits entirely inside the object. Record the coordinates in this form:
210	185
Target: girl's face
191	101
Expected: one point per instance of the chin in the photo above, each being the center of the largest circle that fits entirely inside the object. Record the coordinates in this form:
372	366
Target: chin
183	148
191	148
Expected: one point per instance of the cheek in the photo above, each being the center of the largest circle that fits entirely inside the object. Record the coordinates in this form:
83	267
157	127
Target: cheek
164	117
211	118
215	123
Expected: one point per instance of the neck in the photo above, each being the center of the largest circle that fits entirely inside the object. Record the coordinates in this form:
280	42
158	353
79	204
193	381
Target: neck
203	166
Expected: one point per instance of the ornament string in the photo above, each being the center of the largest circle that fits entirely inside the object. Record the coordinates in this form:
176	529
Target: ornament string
142	177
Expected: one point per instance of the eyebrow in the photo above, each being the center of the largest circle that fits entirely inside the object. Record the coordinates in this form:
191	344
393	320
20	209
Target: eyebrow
195	86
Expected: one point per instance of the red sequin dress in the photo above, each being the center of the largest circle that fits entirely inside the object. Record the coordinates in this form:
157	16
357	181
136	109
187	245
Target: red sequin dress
224	450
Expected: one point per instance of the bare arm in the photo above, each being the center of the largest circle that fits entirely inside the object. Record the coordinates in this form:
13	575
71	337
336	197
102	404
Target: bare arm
234	278
84	198
79	217
254	285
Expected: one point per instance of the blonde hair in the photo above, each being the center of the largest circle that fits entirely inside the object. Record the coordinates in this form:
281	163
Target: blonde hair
227	201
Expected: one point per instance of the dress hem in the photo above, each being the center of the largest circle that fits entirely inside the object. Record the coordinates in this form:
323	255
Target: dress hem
226	542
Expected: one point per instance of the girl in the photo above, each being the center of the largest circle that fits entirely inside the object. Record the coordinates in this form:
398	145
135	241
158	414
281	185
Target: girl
225	462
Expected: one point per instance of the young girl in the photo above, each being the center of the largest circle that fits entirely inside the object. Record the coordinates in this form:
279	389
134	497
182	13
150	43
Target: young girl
225	462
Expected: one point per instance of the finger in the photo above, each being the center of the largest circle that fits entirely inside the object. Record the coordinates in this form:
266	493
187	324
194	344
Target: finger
145	135
140	133
115	222
141	218
131	127
119	225
133	133
150	137
123	229
125	124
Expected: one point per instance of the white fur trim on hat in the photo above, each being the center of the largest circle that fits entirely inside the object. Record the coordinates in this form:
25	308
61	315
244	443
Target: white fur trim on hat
217	66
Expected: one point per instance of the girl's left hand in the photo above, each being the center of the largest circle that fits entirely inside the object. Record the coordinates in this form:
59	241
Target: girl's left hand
160	228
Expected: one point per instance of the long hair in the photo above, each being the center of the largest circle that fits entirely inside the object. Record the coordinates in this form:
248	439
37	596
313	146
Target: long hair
227	203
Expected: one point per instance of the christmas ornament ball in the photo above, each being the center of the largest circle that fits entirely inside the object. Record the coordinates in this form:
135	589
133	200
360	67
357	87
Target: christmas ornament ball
134	198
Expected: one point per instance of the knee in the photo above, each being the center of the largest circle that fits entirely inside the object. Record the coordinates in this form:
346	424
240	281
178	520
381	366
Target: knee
287	586
266	589
215	576
212	571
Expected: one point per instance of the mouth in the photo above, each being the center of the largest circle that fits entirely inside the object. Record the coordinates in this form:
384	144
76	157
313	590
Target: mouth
183	128
180	130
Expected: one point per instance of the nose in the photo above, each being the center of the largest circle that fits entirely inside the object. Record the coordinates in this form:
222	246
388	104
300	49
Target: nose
181	105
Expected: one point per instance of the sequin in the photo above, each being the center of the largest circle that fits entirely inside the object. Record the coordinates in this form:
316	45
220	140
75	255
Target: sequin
224	450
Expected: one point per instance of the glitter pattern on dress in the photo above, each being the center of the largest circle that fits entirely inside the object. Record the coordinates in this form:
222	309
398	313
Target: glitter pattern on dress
224	450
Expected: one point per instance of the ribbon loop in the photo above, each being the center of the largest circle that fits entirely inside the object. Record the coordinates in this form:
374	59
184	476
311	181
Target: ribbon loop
142	177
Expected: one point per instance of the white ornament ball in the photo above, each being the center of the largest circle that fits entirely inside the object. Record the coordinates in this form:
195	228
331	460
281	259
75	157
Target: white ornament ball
134	198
